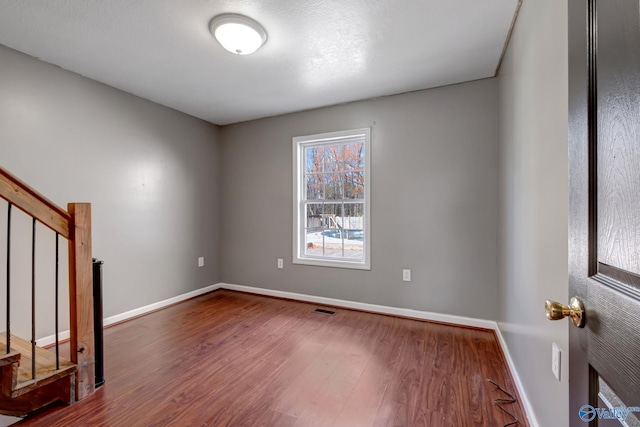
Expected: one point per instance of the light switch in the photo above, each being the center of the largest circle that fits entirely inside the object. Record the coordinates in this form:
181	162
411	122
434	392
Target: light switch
555	360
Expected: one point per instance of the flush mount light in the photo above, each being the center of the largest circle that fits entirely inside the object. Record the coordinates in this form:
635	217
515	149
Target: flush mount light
237	33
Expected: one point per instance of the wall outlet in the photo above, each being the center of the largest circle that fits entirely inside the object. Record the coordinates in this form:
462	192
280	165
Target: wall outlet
201	261
280	263
555	360
406	275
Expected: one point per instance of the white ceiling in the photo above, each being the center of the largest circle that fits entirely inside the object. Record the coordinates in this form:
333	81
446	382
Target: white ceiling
318	52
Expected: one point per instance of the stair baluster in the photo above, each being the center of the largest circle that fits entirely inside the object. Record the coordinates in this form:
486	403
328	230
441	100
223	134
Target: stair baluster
9	277
56	300
33	299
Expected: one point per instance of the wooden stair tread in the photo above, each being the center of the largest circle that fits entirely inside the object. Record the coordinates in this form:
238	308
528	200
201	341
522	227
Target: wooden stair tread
8	358
45	364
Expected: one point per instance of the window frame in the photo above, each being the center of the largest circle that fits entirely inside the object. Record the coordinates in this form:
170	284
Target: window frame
299	201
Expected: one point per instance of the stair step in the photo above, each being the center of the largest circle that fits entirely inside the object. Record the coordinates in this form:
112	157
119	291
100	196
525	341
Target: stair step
8	358
46	371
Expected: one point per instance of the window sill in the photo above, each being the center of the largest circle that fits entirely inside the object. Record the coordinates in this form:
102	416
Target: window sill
353	265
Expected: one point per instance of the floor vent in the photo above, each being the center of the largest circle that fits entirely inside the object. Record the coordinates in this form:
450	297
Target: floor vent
323	311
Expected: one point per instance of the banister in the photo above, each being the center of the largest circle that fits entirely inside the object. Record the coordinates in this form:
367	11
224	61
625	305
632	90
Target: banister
28	200
73	224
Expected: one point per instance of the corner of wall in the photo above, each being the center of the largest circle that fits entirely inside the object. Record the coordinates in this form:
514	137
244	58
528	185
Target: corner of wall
533	202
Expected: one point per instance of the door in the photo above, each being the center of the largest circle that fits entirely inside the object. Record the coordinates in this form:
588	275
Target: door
604	210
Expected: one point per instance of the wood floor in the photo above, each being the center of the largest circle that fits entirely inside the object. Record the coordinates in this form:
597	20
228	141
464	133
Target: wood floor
235	359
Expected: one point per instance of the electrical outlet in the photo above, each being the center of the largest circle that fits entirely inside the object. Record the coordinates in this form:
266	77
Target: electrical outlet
555	360
406	275
280	263
201	261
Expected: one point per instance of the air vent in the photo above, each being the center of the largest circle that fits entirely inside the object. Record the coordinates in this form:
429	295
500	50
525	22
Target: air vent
323	311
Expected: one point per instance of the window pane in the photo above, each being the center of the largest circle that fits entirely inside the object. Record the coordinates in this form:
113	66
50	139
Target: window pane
314	242
354	249
315	187
354	156
333	186
333	248
314	216
354	185
353	226
314	158
353	216
333	231
334	158
331	212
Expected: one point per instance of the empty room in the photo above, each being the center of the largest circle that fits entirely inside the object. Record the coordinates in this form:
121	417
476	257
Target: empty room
329	213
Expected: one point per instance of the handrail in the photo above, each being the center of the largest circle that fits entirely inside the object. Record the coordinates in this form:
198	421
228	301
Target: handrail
75	225
15	191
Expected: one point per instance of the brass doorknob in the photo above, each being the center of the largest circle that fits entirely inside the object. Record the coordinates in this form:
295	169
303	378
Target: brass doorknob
575	310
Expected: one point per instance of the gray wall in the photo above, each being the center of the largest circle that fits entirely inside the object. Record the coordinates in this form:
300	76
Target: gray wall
167	188
434	201
152	175
533	201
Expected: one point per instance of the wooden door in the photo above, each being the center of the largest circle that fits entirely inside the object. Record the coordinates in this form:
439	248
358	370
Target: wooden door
604	209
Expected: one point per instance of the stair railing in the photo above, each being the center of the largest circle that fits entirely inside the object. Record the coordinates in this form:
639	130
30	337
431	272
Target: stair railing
73	224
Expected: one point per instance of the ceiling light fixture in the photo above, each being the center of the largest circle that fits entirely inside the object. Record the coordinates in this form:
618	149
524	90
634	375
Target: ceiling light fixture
238	34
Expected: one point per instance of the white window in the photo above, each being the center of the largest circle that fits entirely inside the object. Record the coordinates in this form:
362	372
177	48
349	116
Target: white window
331	199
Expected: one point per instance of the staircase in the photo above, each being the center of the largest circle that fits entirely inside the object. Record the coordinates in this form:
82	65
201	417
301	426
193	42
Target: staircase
32	377
21	393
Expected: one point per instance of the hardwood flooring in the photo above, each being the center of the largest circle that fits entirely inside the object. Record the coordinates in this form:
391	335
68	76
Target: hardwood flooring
236	359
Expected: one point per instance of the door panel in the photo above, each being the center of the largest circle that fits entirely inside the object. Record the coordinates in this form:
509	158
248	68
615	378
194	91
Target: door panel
608	399
618	111
614	340
604	217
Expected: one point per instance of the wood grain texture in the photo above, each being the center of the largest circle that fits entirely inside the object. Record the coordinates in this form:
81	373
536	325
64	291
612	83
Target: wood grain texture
582	208
604	223
234	359
59	390
33	203
614	340
46	371
81	299
10	365
21	394
618	133
613	334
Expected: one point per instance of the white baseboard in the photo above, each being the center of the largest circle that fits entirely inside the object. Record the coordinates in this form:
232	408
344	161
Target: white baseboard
51	339
64	335
533	422
158	305
395	311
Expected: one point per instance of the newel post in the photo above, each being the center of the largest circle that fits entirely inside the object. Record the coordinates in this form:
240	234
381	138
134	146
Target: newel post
81	298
